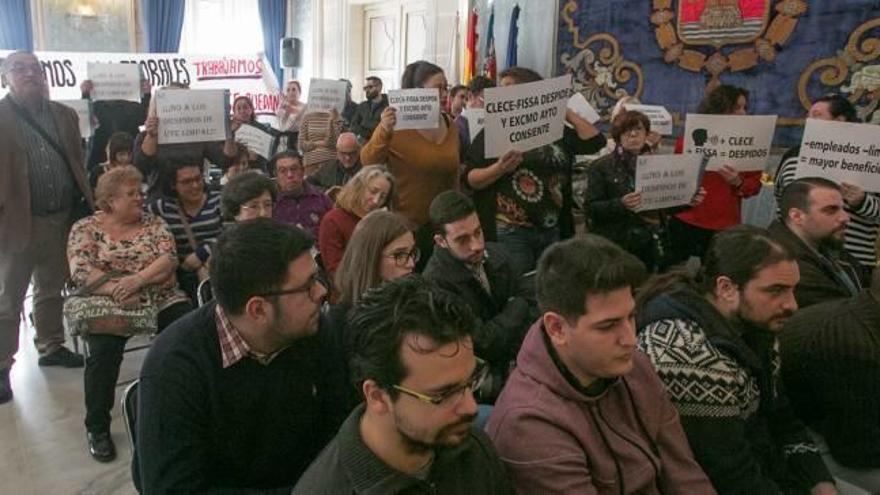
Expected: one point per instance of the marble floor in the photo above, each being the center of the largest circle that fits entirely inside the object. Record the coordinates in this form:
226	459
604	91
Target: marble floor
42	437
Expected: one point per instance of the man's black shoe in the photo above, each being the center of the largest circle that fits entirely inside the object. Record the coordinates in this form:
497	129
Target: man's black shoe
5	386
63	357
101	446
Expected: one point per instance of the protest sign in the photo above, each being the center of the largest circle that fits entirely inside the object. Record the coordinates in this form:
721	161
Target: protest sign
661	119
193	115
327	94
256	140
115	81
666	181
582	107
842	152
242	75
525	116
84	112
476	119
741	141
416	108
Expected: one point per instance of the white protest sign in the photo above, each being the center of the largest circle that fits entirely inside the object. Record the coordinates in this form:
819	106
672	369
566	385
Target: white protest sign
741	141
115	81
525	116
192	115
666	181
476	119
582	107
326	94
84	112
842	152
256	140
661	119
416	108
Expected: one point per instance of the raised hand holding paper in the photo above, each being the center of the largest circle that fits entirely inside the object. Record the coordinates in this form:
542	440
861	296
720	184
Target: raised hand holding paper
661	119
582	107
84	112
741	141
326	94
666	181
192	115
115	81
525	116
416	108
256	140
842	152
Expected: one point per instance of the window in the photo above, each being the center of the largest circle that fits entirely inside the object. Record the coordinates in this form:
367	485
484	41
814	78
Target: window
221	27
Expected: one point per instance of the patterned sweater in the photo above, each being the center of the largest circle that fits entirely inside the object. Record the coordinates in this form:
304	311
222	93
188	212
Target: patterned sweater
725	383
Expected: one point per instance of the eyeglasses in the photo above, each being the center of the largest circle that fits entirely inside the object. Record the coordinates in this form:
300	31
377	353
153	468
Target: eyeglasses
634	132
24	68
368	87
401	258
317	278
453	395
261	207
288	170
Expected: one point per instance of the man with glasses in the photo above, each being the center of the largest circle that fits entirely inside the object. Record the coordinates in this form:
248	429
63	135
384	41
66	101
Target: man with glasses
584	412
241	394
413	360
337	173
42	182
299	202
369	112
481	274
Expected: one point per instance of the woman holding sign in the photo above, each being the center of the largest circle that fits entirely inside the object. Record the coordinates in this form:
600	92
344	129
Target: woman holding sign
692	230
290	113
243	113
423	161
615	207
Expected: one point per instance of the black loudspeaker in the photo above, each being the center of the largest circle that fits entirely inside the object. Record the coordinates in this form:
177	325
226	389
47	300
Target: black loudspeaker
291	52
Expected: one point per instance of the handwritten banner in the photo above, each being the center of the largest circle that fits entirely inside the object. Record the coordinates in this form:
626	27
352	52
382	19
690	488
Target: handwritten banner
115	81
256	140
84	112
661	119
666	181
525	116
416	108
842	152
741	141
192	115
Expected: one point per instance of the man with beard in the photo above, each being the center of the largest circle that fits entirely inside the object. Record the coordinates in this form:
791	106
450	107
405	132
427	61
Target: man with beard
240	394
413	359
583	412
481	275
712	341
369	112
812	226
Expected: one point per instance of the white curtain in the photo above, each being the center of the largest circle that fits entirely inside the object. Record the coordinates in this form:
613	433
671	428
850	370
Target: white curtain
221	26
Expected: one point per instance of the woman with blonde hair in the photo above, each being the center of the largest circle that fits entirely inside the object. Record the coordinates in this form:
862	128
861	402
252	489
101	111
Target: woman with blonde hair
370	189
122	261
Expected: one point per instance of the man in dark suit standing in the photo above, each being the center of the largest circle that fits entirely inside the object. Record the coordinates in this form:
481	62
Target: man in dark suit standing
42	185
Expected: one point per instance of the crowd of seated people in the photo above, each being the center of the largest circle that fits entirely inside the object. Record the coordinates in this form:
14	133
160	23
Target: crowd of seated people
389	311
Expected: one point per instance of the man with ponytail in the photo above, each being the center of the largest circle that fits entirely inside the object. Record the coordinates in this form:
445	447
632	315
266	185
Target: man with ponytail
712	340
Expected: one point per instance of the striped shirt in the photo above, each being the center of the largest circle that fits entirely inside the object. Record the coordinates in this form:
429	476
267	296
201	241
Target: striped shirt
206	224
317	126
861	230
51	183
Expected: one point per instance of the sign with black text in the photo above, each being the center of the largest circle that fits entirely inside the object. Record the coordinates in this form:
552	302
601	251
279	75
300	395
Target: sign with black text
256	140
192	115
741	141
525	116
115	81
842	152
416	108
326	94
476	119
666	181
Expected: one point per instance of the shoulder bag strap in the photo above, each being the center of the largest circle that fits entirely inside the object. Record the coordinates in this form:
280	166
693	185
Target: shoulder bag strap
42	132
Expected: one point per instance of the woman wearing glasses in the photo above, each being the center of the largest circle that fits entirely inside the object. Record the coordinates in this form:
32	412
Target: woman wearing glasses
247	196
370	189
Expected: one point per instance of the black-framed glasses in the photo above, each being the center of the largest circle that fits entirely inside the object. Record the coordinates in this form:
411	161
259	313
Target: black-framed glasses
317	278
402	257
453	395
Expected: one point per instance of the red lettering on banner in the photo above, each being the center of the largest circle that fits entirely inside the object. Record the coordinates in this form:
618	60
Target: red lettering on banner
242	68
